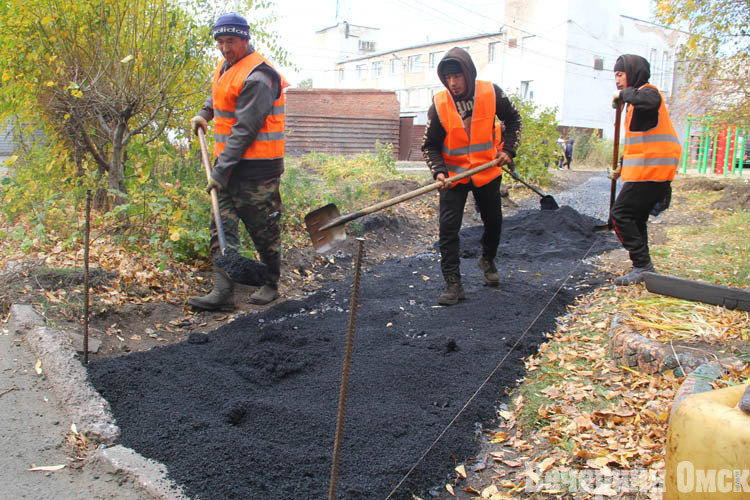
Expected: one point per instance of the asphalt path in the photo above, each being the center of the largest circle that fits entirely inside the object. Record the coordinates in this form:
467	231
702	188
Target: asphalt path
249	410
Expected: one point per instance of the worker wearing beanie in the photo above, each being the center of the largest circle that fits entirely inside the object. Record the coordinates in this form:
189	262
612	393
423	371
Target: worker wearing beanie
461	134
649	163
247	105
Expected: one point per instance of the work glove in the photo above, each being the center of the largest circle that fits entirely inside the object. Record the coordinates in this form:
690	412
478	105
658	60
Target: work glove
512	170
213	184
198	121
616	99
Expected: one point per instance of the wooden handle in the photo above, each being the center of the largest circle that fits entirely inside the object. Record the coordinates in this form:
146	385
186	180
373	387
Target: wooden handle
407	196
214	196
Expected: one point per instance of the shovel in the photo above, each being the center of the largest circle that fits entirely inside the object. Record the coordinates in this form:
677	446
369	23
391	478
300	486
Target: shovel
546	202
613	184
214	196
326	224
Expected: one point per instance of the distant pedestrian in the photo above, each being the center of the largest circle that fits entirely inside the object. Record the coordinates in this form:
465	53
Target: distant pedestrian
247	104
569	152
560	152
461	134
650	158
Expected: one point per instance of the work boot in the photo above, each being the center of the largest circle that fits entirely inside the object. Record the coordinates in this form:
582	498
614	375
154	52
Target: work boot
453	292
635	275
489	271
218	299
264	295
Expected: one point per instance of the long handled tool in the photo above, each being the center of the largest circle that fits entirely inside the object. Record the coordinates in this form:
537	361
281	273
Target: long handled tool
214	196
326	224
615	160
546	202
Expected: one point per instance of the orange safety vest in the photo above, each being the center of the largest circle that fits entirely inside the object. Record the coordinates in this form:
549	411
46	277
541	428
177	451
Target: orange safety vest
652	155
269	143
461	153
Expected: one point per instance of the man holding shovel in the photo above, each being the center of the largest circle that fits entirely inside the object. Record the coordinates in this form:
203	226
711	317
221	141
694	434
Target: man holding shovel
649	163
461	134
247	104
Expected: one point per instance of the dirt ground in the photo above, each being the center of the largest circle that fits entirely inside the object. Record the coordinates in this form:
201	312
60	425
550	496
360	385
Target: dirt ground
398	234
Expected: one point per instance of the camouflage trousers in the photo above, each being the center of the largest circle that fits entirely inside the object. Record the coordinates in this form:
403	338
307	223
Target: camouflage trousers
257	203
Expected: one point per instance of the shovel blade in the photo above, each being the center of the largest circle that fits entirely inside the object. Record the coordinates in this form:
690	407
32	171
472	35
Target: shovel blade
547	202
324	240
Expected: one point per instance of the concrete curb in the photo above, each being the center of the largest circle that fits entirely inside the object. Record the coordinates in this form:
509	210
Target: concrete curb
148	475
90	412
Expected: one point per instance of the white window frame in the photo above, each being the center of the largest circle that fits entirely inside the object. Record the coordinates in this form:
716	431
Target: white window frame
414	63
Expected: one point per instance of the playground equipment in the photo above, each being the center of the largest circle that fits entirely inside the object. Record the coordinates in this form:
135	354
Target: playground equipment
720	148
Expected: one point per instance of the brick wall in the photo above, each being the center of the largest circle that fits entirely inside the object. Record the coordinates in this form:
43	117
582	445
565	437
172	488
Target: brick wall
340	121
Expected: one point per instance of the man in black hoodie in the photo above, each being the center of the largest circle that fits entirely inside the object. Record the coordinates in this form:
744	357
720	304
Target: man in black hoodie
461	133
650	157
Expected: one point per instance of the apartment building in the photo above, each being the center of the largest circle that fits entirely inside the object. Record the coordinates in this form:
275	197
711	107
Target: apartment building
558	54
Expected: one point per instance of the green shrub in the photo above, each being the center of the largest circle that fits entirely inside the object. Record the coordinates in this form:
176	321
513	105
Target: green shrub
537	150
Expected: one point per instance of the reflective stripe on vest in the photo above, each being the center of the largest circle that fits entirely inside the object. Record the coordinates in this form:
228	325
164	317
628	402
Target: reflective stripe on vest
652	155
269	143
461	153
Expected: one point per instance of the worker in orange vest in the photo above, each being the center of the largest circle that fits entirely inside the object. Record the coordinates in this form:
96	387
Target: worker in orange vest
461	133
651	154
247	105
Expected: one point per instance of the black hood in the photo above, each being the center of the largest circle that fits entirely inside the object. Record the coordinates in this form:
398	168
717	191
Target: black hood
463	58
636	67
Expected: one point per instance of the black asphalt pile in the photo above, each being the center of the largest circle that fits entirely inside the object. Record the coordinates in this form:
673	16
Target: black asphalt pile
242	269
250	414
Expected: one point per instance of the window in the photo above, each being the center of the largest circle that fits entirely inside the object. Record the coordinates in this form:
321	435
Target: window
377	69
341	74
667	68
524	91
598	63
415	64
494	53
395	65
512	43
361	71
435	59
365	46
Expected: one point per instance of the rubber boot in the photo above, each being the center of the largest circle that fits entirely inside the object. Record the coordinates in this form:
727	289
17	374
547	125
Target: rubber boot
218	299
489	271
453	292
264	295
635	275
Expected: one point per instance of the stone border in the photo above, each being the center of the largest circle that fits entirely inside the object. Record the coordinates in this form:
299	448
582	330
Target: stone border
649	356
90	412
638	352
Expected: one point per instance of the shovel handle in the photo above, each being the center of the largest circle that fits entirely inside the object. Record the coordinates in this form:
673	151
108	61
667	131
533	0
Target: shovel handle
524	182
407	196
214	196
615	154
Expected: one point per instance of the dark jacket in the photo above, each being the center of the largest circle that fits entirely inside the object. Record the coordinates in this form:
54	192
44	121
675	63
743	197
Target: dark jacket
435	134
646	101
261	88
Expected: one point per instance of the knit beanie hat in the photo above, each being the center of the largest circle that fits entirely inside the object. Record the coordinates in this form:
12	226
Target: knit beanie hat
232	24
451	67
620	64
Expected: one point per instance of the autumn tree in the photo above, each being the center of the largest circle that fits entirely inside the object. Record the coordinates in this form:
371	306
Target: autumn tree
715	60
97	74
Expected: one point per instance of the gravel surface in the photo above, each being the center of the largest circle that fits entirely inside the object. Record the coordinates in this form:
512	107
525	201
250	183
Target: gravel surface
588	197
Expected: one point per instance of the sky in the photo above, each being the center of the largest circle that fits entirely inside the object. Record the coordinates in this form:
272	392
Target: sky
402	23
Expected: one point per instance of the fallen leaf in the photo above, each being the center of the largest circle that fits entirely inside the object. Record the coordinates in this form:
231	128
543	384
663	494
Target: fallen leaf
450	490
499	437
38	367
461	470
489	491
